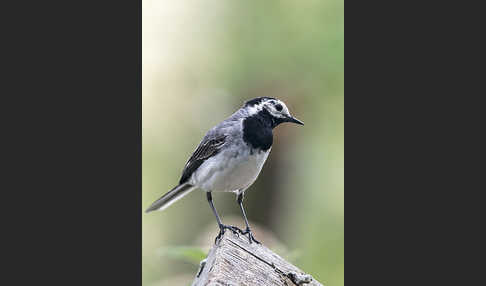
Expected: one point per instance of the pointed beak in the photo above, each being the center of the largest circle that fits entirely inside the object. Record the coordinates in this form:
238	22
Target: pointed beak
294	120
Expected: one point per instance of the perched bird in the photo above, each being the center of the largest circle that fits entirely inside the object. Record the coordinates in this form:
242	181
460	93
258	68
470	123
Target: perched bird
230	156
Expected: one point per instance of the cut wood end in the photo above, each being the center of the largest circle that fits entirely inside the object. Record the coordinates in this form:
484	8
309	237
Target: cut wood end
234	261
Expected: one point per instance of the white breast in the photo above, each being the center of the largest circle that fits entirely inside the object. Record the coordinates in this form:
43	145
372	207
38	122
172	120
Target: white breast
230	170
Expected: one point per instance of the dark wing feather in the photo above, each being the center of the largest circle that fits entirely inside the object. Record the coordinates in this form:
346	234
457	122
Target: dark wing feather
206	149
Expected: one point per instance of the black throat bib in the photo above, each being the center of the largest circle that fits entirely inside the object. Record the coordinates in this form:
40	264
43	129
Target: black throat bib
257	129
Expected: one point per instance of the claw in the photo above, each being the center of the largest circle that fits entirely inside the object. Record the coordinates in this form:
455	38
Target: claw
251	238
223	228
234	229
221	233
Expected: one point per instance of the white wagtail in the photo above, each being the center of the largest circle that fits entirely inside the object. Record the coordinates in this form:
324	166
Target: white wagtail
230	156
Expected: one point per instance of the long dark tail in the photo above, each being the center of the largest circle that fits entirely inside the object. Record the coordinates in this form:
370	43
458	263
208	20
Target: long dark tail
171	197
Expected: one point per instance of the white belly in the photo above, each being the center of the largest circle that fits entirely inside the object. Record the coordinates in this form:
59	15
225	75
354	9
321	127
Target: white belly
229	170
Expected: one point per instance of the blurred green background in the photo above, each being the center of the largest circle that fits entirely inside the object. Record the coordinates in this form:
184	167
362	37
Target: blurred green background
201	61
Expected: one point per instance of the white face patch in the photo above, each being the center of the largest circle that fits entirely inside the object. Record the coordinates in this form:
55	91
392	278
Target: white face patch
254	109
273	107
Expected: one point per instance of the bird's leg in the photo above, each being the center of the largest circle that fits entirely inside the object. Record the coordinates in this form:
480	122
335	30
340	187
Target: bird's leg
247	230
222	227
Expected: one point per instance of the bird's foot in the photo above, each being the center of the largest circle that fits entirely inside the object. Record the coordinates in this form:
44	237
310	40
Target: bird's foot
251	238
223	228
234	229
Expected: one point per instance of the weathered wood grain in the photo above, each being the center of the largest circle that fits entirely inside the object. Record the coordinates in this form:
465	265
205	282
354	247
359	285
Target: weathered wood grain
234	261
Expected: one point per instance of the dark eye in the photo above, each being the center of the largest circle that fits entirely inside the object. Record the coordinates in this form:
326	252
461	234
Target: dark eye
278	107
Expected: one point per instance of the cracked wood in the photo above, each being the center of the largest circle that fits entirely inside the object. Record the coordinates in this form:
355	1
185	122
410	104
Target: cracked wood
233	261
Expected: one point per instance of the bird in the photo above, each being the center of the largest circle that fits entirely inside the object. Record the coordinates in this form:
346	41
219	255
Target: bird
230	157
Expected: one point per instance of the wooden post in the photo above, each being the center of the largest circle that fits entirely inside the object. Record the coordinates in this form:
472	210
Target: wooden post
234	261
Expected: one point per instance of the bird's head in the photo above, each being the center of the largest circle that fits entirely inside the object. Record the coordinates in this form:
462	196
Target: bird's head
271	107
